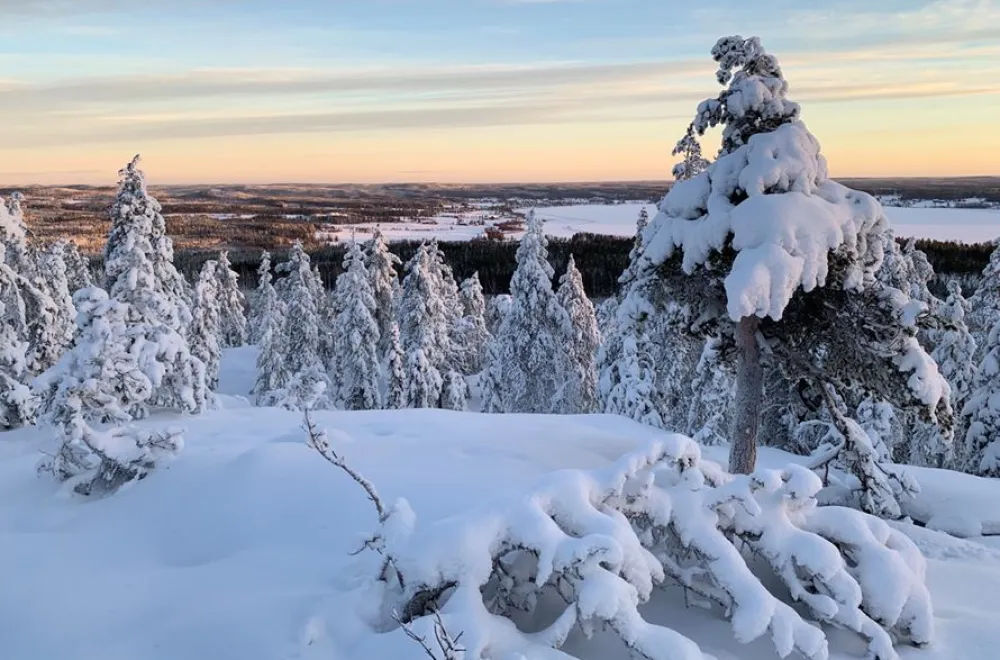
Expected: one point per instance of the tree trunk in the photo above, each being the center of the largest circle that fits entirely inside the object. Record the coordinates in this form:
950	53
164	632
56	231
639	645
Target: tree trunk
749	397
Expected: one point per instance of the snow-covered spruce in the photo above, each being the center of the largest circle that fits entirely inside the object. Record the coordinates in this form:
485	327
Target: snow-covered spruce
711	397
17	403
955	348
496	309
530	346
262	300
95	379
603	541
423	333
204	334
764	247
78	272
232	305
395	372
356	336
984	304
582	339
472	336
293	362
140	275
980	451
269	335
381	265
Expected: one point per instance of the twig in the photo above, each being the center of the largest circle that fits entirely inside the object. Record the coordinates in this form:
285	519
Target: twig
450	647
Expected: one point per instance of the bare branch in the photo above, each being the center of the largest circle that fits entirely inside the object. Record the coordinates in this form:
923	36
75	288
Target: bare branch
449	646
319	442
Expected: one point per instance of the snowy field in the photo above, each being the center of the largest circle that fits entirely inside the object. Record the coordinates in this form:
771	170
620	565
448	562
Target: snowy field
967	225
239	547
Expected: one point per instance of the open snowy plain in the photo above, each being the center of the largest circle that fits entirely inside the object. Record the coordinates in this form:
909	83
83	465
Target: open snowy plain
947	224
239	548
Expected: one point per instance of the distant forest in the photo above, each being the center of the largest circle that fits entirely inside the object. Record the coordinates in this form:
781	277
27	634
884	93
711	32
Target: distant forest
601	260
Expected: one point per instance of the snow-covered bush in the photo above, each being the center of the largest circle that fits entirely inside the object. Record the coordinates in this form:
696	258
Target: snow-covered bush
98	382
232	305
597	545
765	248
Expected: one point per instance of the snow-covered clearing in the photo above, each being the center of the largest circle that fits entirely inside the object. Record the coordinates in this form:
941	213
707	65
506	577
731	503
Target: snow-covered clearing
952	224
239	548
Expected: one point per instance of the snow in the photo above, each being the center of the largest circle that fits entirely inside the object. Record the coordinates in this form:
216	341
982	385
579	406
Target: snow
239	546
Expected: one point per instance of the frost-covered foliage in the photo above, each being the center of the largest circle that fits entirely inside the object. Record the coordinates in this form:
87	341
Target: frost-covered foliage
423	333
531	340
232	305
765	248
140	275
381	265
205	332
980	452
356	336
17	404
98	383
472	337
628	385
582	339
55	275
604	542
711	396
269	334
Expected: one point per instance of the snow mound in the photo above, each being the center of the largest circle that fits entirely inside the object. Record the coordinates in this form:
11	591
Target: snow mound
772	202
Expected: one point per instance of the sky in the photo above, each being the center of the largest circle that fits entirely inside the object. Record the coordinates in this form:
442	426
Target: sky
336	91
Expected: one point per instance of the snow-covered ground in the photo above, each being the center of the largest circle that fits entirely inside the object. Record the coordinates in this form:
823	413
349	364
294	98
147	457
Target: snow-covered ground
968	225
239	548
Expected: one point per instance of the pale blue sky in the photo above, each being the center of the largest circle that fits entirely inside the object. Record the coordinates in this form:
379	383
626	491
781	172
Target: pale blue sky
452	90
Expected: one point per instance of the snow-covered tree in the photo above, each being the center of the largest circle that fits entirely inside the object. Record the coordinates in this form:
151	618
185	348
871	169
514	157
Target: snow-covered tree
496	310
395	372
264	298
472	337
356	336
97	383
980	451
62	327
140	275
206	325
763	247
78	271
138	257
232	305
530	339
307	382
984	304
955	348
630	384
382	275
17	404
582	339
423	333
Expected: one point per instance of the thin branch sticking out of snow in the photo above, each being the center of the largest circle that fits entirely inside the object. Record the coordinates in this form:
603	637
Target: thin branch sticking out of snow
450	647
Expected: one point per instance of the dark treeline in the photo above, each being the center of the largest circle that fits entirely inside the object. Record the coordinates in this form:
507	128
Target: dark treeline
601	260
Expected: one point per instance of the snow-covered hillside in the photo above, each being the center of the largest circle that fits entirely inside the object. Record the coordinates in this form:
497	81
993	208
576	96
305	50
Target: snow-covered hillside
239	548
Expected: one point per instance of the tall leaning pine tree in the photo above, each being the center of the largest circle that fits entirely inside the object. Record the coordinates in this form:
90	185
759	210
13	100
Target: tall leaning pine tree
810	304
